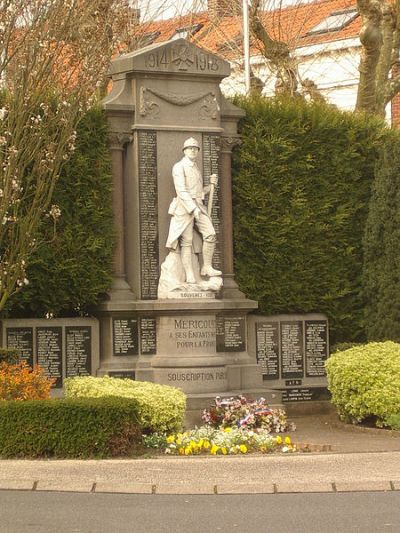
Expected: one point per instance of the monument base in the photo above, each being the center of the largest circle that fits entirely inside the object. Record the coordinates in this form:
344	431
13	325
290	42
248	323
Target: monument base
198	346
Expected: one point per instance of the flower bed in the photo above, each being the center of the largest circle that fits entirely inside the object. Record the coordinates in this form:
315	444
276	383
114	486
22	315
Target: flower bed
227	441
234	426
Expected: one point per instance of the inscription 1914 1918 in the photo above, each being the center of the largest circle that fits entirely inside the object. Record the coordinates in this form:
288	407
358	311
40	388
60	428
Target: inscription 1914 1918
183	58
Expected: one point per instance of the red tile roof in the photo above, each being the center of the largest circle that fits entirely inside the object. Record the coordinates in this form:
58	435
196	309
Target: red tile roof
290	24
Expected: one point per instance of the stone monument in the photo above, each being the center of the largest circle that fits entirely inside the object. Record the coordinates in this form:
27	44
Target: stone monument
174	314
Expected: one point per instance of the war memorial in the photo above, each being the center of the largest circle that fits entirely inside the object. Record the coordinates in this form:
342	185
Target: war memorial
174	313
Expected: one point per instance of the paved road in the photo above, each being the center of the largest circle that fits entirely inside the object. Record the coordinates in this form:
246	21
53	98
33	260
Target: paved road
209	475
44	512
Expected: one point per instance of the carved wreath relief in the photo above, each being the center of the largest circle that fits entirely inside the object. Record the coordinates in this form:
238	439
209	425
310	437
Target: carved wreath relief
148	107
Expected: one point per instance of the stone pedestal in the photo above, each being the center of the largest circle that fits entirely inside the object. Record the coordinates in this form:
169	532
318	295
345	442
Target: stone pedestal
155	327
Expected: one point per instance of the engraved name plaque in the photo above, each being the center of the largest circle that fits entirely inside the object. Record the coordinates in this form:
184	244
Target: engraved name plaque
49	352
267	348
125	336
21	340
148	336
211	166
231	334
148	205
292	349
78	350
316	347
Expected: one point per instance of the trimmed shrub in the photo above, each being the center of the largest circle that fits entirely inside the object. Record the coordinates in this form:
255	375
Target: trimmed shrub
381	247
69	271
20	382
365	382
160	407
301	188
90	427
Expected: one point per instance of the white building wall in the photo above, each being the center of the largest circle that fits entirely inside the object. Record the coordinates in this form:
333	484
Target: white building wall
333	67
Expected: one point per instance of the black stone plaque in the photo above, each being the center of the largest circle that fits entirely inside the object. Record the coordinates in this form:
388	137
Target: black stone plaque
78	340
148	213
21	340
231	334
305	394
148	336
122	374
125	336
49	352
316	347
292	349
267	348
211	166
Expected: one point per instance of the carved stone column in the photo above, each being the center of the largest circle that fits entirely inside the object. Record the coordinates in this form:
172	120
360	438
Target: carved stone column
119	288
230	289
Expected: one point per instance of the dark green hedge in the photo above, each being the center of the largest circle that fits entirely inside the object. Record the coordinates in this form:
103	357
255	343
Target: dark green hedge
382	247
302	181
67	275
90	427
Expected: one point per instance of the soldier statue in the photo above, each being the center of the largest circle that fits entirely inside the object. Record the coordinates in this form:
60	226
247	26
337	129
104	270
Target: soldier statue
189	214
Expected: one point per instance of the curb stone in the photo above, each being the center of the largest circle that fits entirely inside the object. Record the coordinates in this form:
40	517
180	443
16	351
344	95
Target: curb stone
205	489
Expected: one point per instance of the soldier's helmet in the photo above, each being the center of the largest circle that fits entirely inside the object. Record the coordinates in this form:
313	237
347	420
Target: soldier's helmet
191	143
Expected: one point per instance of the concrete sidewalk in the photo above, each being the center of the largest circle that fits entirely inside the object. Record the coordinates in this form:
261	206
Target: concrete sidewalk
357	459
210	475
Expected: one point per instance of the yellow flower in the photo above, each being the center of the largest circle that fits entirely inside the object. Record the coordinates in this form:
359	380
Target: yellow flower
188	450
243	448
287	440
192	445
224	450
181	451
228	430
214	449
278	440
200	443
170	439
206	444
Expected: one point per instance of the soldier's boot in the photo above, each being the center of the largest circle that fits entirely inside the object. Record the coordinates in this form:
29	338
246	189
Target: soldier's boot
186	256
208	252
